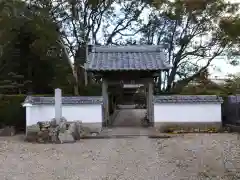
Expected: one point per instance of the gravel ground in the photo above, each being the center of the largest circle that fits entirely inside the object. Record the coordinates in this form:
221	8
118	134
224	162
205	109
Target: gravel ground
190	157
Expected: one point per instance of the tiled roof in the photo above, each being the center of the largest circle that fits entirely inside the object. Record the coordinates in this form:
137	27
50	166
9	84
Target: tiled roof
125	58
188	99
36	100
234	99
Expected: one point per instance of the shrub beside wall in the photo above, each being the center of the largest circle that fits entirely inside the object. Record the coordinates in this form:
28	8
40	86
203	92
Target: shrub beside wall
11	111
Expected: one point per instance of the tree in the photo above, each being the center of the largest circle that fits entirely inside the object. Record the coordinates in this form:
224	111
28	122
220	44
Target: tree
193	34
230	27
204	85
232	84
86	21
30	56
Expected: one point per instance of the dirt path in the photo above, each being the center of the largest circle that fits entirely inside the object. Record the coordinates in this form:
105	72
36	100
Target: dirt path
192	157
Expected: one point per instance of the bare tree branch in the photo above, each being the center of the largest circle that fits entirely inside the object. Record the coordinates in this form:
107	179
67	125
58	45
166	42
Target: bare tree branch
120	26
184	82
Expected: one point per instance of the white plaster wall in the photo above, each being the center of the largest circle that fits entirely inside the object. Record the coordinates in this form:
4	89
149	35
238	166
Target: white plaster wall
87	113
187	113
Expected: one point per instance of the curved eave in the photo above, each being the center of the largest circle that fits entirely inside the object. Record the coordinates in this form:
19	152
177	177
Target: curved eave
126	70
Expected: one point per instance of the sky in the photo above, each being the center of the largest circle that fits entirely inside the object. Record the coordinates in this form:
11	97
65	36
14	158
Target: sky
222	68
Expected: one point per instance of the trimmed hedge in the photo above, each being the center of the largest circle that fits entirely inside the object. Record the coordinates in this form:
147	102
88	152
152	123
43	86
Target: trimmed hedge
11	111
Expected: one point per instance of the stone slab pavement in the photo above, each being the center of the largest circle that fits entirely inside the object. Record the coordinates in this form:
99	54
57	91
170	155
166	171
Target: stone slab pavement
129	118
126	131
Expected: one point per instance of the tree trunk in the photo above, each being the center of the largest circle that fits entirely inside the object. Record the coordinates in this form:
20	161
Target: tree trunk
170	79
75	86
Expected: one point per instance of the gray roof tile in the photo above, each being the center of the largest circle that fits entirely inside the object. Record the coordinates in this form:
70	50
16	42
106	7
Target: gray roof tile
123	58
37	100
188	99
234	99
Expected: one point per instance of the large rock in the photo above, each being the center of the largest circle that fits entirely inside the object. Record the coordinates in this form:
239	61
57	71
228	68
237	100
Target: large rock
53	122
63	125
31	136
73	128
62	119
66	137
53	133
84	131
44	125
64	132
43	136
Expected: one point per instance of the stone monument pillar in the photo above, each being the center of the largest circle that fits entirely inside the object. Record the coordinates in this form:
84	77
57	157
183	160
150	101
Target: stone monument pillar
58	105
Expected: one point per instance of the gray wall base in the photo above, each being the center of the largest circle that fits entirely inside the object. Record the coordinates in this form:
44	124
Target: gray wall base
164	126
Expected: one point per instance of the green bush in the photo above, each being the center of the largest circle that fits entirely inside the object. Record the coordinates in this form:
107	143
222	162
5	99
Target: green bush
11	111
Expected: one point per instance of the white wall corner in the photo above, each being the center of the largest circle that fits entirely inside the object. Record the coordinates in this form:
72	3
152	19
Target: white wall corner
26	105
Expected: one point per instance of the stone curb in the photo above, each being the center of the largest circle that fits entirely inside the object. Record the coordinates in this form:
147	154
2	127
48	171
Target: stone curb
108	137
160	136
34	142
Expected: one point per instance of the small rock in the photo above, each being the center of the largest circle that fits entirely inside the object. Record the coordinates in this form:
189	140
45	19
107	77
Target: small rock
229	166
94	134
196	130
8	131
